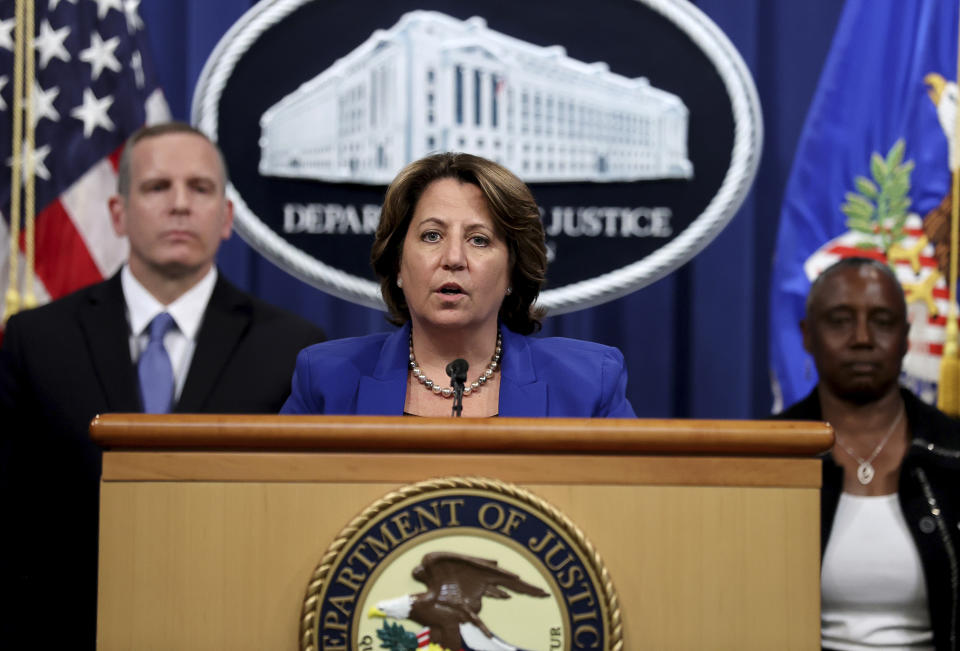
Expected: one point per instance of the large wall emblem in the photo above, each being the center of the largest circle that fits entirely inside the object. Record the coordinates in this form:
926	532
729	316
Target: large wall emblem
636	125
434	82
461	565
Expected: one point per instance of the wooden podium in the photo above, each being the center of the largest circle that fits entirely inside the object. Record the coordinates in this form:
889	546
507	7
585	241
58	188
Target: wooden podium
210	526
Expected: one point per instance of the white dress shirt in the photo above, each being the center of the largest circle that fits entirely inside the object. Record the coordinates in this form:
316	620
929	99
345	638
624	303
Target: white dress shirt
187	312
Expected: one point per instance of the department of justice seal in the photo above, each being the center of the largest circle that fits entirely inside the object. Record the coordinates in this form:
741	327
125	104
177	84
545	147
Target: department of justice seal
461	564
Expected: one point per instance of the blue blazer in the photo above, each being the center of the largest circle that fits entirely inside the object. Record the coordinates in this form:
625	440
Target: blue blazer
540	377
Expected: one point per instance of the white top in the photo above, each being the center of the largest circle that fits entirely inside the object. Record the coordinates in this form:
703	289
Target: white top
187	312
873	592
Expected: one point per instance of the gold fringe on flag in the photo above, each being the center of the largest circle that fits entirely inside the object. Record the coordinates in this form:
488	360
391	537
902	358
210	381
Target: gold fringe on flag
22	169
948	391
13	293
29	199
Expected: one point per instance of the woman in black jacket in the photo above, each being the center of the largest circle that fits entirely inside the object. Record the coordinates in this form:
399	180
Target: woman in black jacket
891	483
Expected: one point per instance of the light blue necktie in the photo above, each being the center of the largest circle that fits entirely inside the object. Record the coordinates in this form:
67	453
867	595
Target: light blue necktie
154	369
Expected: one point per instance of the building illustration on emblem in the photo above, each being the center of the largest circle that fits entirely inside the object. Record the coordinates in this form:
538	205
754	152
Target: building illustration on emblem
435	83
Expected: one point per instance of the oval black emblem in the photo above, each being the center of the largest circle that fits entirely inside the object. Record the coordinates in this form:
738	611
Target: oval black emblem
636	125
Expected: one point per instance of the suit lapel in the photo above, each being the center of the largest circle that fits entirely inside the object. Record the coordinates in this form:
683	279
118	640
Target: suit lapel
224	323
521	394
385	392
103	320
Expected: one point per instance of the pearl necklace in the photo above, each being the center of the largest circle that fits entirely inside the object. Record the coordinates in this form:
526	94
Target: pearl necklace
447	392
865	471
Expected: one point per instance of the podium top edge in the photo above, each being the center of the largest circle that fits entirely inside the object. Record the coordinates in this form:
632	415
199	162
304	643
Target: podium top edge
271	433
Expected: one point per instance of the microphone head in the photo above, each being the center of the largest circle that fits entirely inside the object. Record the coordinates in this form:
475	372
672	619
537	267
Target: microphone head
457	370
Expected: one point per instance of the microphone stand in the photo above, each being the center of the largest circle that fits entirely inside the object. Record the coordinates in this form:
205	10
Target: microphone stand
457	411
457	370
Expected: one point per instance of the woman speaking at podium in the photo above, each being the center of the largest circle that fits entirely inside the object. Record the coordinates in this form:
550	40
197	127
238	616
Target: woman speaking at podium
461	258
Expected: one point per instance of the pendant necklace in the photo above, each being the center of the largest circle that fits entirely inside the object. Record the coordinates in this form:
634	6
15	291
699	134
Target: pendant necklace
865	471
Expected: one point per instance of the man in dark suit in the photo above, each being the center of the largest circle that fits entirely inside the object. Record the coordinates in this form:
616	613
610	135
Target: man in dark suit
219	351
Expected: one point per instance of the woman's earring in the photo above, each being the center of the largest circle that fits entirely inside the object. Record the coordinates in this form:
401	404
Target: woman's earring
509	291
399	282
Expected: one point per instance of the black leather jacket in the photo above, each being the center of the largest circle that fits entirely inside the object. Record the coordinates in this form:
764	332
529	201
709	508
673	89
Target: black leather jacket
929	495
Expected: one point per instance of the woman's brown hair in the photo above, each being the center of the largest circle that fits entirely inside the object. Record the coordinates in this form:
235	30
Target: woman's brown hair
515	215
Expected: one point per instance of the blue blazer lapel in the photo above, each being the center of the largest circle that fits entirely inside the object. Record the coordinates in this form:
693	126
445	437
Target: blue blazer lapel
521	394
385	392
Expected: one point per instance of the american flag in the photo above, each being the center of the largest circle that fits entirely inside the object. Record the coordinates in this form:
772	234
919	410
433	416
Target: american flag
93	86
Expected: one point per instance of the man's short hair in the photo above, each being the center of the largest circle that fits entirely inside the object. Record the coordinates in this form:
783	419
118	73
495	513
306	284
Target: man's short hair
124	171
853	263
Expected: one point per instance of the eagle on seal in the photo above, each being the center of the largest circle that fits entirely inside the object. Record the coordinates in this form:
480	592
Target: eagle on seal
450	607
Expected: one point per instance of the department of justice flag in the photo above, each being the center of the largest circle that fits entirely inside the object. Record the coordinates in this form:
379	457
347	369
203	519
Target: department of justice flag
881	117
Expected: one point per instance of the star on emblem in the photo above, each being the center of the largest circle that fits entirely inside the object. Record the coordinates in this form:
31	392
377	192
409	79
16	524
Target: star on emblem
49	43
100	54
3	82
93	113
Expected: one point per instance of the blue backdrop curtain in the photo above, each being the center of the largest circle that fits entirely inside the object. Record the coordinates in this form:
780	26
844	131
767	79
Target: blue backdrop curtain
696	341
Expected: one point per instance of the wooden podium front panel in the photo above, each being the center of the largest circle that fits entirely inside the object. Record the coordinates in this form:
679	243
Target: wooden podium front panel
705	553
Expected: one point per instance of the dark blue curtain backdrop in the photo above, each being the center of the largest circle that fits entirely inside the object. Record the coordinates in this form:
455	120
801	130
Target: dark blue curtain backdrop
696	341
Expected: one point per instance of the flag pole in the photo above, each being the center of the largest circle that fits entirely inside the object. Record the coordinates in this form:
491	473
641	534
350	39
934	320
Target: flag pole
948	393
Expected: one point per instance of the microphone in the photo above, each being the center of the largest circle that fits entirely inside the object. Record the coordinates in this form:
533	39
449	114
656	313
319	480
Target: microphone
457	370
